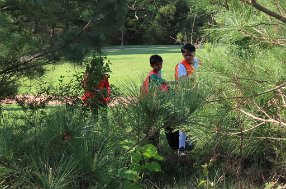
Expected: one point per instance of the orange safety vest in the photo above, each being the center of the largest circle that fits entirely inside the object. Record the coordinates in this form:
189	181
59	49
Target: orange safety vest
145	87
102	85
190	69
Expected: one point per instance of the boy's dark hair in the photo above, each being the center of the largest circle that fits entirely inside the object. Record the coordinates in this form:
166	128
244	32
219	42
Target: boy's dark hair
155	59
188	47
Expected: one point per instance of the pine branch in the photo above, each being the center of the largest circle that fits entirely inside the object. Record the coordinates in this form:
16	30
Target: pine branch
271	138
251	96
262	24
27	59
270	120
251	138
280	42
32	66
282	11
256	80
283	97
247	130
226	5
8	165
265	10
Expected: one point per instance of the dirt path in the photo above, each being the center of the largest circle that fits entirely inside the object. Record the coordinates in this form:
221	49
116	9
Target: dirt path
50	100
53	100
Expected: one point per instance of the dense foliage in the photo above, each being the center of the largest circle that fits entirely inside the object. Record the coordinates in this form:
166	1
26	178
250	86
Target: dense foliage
35	33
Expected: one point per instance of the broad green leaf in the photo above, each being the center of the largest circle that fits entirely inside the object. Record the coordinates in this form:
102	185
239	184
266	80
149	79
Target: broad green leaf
153	167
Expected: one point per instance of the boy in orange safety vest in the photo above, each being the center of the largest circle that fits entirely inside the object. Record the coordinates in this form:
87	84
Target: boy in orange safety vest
154	78
189	64
154	82
184	69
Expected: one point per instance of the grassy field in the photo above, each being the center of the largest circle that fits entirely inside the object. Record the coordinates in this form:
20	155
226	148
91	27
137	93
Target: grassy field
130	63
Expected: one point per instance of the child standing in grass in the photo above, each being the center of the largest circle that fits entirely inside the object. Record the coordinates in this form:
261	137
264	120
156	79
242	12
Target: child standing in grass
183	70
152	84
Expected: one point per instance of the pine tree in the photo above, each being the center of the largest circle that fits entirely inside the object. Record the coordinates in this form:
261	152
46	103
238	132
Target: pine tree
38	32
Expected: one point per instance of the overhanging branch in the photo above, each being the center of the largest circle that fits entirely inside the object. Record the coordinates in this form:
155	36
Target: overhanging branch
265	39
23	61
250	96
270	120
265	10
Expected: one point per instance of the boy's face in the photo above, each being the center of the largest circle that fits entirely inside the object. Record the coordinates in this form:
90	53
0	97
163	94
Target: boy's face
189	56
157	66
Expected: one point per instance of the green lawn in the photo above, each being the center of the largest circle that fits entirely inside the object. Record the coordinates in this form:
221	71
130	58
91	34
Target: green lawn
130	63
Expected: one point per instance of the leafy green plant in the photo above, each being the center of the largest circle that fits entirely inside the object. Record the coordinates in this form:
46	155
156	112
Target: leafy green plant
143	160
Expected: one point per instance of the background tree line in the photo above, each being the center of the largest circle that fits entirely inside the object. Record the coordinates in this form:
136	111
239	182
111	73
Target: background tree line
162	22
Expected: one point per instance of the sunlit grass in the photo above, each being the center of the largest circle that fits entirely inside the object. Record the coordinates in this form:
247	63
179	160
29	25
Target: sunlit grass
130	63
